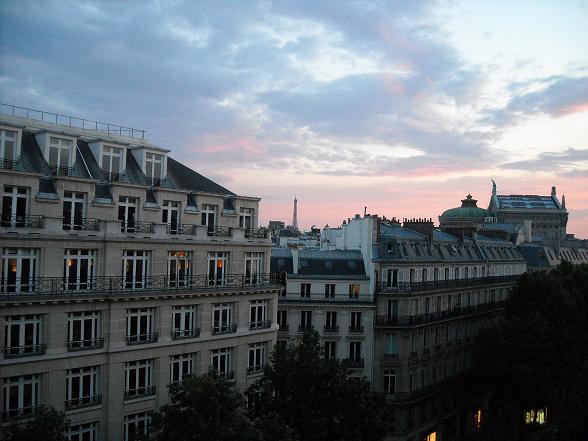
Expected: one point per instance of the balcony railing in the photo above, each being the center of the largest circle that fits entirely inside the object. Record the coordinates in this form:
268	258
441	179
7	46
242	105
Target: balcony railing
85	224
8	164
24	351
219	232
110	286
58	170
296	297
136	227
227	375
284	328
261	233
255	369
30	221
115	177
356	329
77	403
305	328
181	229
138	339
383	320
331	329
443	284
357	363
224	329
263	324
177	334
16	414
145	391
81	345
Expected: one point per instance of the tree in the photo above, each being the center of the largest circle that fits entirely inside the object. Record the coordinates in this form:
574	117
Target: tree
316	398
47	424
204	408
536	358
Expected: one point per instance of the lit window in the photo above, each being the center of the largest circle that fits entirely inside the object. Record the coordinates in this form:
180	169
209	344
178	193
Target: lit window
19	269
536	416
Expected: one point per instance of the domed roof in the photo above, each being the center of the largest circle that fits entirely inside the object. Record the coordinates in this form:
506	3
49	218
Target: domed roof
468	210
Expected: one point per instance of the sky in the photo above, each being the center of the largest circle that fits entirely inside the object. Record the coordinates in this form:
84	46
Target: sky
403	107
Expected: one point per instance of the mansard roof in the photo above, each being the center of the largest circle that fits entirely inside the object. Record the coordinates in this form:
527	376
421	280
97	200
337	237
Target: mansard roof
342	264
532	202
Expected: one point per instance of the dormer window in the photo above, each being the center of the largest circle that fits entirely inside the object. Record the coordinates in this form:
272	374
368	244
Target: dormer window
153	166
112	160
60	155
8	148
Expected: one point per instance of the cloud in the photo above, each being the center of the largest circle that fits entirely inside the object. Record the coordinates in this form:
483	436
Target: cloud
571	163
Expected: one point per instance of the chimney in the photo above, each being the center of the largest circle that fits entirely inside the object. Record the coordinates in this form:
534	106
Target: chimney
294	260
553	191
422	226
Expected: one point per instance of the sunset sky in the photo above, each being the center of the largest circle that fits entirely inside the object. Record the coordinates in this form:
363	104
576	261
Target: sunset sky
401	106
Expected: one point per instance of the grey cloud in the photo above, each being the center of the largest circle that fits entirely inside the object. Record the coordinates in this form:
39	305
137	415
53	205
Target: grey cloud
554	162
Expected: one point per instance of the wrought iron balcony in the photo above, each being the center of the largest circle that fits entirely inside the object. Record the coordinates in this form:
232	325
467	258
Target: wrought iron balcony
177	334
112	286
186	229
115	177
84	224
16	414
81	345
224	329
383	320
9	164
403	287
255	369
219	231
77	403
138	339
145	391
263	324
284	328
30	221
331	329
355	363
136	227
261	233
24	351
305	328
296	297
356	329
227	375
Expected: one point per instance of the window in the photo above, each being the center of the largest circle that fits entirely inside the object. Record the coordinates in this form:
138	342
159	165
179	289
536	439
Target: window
60	155
355	351
208	217
14	206
389	381
246	218
330	349
305	320
112	162
331	322
222	318
22	335
138	379
184	322
74	205
256	357
178	268
140	325
330	291
170	216
258	314
82	387
181	366
136	426
283	320
83	432
127	213
21	395
78	269
153	167
356	325
390	278
83	330
305	290
533	416
8	147
392	312
19	269
221	362
253	267
354	290
391	345
217	268
135	269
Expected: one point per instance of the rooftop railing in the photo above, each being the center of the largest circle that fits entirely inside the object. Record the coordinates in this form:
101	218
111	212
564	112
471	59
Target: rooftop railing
403	287
71	121
292	297
112	286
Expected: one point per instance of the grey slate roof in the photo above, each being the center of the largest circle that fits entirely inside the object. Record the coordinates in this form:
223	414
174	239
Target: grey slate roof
343	264
526	202
183	177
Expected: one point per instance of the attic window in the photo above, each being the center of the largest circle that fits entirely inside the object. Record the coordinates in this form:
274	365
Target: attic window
404	250
416	249
153	165
60	153
112	160
390	249
8	145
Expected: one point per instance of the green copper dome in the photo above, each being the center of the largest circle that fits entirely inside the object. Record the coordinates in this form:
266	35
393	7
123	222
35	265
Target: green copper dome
468	210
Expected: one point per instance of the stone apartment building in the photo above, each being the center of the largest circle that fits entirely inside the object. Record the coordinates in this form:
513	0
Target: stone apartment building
329	292
122	271
433	292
